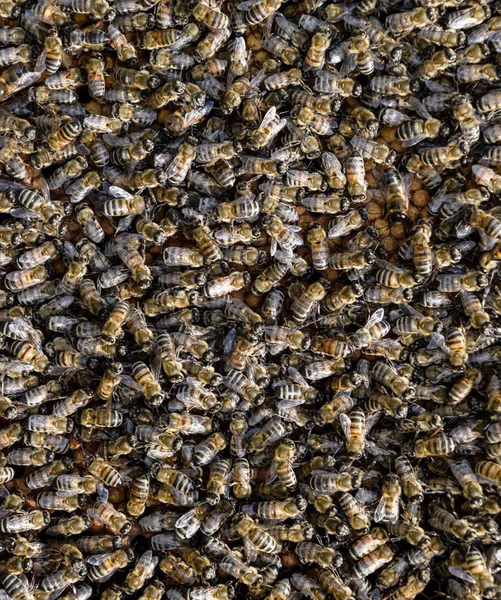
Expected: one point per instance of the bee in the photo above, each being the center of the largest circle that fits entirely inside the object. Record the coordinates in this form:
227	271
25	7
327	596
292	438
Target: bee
138	497
141	572
317	239
331	82
437	445
368	543
333	584
494	397
46	475
330	483
28	521
105	472
27	456
272	431
308	300
388	377
357	516
74	484
308	586
467	479
354	429
179	167
102	565
315	55
445	521
178	570
389	506
343	261
232	565
471	282
405	22
388	85
257	11
308	552
411	486
437	63
463	386
207	246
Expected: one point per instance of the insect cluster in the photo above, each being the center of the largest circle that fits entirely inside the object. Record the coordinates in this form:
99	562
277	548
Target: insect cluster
249	299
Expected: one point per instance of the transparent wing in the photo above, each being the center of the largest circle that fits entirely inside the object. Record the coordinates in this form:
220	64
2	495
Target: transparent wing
376	317
341	228
345	423
415	140
296	376
384	264
98	559
395	118
248	4
380	512
419	108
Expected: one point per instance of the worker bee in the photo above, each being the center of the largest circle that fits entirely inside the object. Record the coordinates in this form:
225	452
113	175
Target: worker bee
388	508
143	570
102	565
102	470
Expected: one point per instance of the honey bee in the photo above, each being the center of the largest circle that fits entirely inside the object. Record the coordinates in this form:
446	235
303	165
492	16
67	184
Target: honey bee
143	570
444	521
331	82
357	516
470	282
232	565
28	521
467	479
389	506
102	565
388	85
411	486
105	472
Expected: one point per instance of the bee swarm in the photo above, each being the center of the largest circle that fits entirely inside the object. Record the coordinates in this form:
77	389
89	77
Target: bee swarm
249	300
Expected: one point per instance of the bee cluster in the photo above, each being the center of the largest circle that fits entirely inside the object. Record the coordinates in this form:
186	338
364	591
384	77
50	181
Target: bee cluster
249	299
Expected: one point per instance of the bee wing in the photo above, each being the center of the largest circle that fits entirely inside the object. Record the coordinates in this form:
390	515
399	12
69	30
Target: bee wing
116	192
340	228
365	497
376	317
437	524
437	340
345	422
419	108
270	115
408	309
189	518
384	264
23	331
395	118
271	474
125	223
97	559
359	143
396	513
363	368
296	376
4	595
380	512
349	63
415	140
248	4
461	574
287	404
230	341
116	141
459	468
